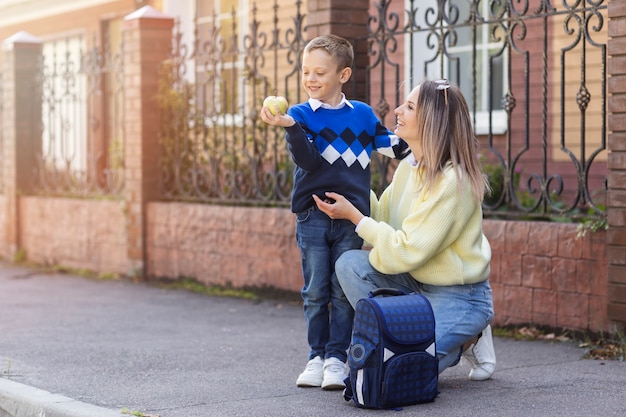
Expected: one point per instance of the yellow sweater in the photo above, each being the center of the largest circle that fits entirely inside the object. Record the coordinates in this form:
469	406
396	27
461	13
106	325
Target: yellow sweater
436	236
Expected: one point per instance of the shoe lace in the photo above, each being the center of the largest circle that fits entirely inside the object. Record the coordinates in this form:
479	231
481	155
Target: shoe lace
479	355
470	355
310	367
334	367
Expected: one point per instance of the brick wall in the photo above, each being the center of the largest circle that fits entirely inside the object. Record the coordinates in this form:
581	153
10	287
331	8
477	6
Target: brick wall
541	272
3	220
217	245
72	233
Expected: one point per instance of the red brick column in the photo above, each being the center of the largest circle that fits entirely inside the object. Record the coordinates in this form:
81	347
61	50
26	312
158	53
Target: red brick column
21	128
343	18
616	204
147	43
349	20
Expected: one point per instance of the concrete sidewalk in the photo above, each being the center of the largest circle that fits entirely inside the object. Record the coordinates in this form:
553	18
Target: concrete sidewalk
75	347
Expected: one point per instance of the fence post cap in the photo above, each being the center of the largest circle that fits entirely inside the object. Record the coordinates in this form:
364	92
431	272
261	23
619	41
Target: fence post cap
20	37
146	12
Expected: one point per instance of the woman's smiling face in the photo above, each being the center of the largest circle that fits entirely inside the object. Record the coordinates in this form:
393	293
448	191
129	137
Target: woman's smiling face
406	122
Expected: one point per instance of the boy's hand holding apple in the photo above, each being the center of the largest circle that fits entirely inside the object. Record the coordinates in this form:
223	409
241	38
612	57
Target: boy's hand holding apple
273	111
276	103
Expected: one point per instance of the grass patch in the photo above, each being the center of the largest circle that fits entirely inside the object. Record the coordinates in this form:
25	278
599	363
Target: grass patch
530	333
61	269
136	413
276	294
597	346
247	293
83	272
184	283
131	413
190	284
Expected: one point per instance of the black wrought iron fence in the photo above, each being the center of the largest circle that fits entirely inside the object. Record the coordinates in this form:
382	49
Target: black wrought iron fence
82	142
533	72
215	147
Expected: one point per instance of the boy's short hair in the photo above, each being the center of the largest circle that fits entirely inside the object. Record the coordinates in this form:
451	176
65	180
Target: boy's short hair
336	46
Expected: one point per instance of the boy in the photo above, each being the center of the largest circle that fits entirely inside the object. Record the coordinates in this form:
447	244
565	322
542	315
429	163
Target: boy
330	140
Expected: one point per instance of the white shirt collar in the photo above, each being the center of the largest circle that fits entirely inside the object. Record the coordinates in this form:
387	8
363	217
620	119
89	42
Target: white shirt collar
317	104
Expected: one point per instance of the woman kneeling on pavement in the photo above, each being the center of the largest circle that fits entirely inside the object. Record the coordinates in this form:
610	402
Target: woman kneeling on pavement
425	231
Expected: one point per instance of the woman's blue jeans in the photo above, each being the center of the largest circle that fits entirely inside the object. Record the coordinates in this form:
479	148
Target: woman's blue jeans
321	241
461	311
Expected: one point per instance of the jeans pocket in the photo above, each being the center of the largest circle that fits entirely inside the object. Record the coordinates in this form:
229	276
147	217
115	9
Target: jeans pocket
303	216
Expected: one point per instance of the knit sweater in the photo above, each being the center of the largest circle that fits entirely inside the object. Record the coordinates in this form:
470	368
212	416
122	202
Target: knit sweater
434	235
332	151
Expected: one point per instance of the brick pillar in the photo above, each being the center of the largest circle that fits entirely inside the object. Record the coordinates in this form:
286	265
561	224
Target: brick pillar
147	43
616	202
21	122
349	20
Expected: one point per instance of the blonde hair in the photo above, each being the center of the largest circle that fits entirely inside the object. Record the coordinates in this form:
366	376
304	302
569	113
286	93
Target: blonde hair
339	48
447	135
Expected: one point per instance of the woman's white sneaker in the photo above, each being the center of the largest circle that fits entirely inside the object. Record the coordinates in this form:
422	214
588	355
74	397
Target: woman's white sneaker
481	357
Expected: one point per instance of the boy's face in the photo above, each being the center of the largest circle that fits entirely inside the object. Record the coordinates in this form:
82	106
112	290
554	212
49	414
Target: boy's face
321	78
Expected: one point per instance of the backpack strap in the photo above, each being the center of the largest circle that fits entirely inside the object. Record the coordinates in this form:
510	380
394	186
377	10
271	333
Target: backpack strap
347	392
385	291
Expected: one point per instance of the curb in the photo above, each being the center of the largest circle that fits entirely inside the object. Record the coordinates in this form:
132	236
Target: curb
19	400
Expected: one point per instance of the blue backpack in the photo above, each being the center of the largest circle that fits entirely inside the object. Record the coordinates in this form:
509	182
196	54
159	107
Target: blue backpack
392	356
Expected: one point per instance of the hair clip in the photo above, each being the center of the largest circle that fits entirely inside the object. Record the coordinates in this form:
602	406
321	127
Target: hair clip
443	84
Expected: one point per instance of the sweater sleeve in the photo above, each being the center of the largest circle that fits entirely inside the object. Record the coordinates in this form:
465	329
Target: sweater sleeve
436	219
385	141
391	145
303	151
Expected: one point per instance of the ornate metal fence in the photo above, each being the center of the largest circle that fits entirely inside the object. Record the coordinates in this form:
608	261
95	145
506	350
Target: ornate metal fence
533	72
82	127
215	147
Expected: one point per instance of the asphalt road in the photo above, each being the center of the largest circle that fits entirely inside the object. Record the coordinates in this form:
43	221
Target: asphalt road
77	347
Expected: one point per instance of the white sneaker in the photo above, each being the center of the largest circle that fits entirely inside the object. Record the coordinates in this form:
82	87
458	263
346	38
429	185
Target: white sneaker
481	357
313	373
335	372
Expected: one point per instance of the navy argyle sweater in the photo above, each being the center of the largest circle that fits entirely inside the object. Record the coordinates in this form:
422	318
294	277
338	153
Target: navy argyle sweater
332	149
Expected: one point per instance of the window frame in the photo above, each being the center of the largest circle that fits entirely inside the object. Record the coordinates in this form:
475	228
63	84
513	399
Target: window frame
485	121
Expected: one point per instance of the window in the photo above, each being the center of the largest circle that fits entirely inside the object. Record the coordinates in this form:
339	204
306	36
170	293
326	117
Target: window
447	45
64	106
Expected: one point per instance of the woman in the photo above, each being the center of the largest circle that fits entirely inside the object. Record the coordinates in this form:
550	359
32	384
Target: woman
426	229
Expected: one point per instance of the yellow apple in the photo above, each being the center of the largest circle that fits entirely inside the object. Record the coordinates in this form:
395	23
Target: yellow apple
276	102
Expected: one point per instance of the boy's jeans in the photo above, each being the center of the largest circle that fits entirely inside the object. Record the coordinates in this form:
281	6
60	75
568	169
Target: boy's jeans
461	311
321	241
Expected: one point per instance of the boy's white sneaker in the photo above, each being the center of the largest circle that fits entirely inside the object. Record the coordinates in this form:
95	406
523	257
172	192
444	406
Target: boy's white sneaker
313	373
481	356
335	372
